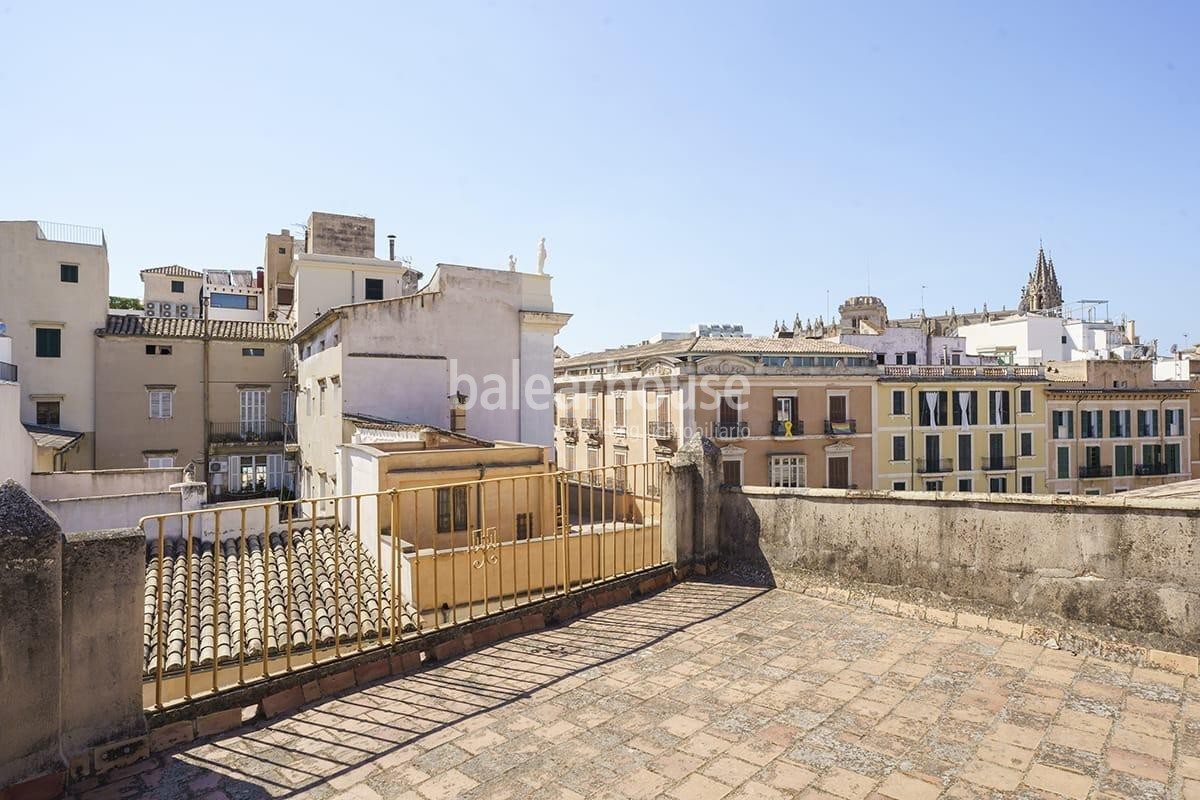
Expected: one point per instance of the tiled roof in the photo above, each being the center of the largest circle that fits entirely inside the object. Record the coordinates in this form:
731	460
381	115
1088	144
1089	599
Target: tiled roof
335	618
174	270
716	344
175	328
55	438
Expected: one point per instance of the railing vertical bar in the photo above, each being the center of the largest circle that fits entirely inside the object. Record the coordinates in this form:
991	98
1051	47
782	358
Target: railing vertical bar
162	619
216	633
453	554
242	604
337	579
268	623
533	519
289	597
312	597
483	552
397	610
437	617
661	471
358	568
579	518
187	616
593	545
603	522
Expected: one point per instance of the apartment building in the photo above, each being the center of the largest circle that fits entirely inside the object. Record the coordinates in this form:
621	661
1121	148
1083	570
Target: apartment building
212	393
53	295
471	353
1113	427
961	428
789	412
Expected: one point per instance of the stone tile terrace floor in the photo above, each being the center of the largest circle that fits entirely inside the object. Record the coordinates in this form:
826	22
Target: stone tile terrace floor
708	691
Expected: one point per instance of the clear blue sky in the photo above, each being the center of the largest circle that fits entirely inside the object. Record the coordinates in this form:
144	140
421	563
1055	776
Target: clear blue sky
687	162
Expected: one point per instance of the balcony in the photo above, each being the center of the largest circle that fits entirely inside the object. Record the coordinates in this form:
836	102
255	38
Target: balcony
780	428
842	427
1096	471
589	425
568	423
1151	469
998	463
660	430
731	430
266	432
8	372
934	466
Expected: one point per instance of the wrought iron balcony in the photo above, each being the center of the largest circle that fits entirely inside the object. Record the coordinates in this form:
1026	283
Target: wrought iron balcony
1096	471
731	430
589	425
998	463
8	372
780	428
1151	469
264	432
932	466
842	427
660	430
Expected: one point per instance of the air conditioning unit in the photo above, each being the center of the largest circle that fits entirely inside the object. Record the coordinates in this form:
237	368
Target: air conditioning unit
216	466
183	310
152	309
166	309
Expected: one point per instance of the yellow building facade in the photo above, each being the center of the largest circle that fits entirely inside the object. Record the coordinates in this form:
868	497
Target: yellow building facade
961	428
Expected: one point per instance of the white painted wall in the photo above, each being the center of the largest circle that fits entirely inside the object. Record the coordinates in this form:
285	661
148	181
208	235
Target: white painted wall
324	281
113	511
90	483
16	452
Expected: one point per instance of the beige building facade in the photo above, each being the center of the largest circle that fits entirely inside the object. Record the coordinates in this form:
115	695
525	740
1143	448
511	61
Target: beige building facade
53	295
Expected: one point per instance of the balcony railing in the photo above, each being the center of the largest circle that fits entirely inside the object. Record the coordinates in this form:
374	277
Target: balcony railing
568	423
843	427
731	430
70	234
1151	469
933	466
264	432
959	371
998	463
780	427
8	372
589	425
1096	471
660	430
353	573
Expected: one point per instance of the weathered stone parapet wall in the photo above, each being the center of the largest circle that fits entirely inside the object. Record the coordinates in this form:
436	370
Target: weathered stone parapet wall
1129	563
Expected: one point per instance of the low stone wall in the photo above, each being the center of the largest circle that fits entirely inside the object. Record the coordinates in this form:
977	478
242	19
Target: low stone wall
93	483
1130	563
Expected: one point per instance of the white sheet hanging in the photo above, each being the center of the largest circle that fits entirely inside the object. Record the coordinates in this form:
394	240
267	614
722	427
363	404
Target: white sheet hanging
964	405
931	402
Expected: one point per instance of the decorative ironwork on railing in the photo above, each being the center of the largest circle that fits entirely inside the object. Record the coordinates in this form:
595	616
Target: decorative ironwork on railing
959	371
840	427
70	234
660	430
8	372
787	427
238	594
929	466
589	425
264	431
1096	471
1152	469
998	463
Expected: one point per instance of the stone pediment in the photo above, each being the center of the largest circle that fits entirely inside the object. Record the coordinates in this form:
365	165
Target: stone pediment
725	365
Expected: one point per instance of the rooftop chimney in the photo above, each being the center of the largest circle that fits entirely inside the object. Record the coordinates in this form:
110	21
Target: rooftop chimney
391	247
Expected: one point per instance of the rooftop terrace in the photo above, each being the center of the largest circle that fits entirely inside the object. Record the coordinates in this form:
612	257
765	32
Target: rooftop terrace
708	690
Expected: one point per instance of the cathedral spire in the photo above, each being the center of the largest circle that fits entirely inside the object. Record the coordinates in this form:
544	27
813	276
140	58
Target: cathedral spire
1043	291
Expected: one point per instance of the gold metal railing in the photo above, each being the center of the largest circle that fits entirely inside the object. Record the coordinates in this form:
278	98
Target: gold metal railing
235	595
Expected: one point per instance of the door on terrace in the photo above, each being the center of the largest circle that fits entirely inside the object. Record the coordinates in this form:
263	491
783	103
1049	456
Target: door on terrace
839	472
254	411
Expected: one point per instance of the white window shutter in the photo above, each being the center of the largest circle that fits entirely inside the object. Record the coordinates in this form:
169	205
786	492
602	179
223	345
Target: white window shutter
235	474
274	470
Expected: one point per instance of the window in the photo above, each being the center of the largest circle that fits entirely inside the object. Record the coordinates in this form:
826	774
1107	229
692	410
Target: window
287	405
965	484
570	465
1174	462
965	403
1173	418
662	404
374	289
898	403
593	407
784	421
158	350
933	408
159	462
48	342
161	403
1152	454
68	273
524	525
281	251
1090	425
933	486
1091	456
253	352
283	295
1026	484
252	409
998	484
321	398
1026	443
1118	424
911	357
731	473
839	472
48	413
593	457
998	407
1064	462
964	451
177	287
241	301
619	410
1148	422
899	358
899	486
880	358
1062	424
899	448
1026	401
1123	459
788	471
838	408
451	509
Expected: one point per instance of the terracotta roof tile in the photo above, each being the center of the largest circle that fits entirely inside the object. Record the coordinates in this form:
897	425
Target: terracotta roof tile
175	328
715	344
174	270
338	607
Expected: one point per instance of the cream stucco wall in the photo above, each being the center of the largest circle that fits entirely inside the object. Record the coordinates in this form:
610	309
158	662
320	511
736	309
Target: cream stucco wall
16	455
32	295
324	281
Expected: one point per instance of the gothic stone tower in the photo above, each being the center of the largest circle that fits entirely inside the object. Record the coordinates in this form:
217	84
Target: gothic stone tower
1042	292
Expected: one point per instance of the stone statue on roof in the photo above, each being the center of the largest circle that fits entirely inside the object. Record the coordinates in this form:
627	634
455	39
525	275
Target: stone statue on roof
512	263
542	255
